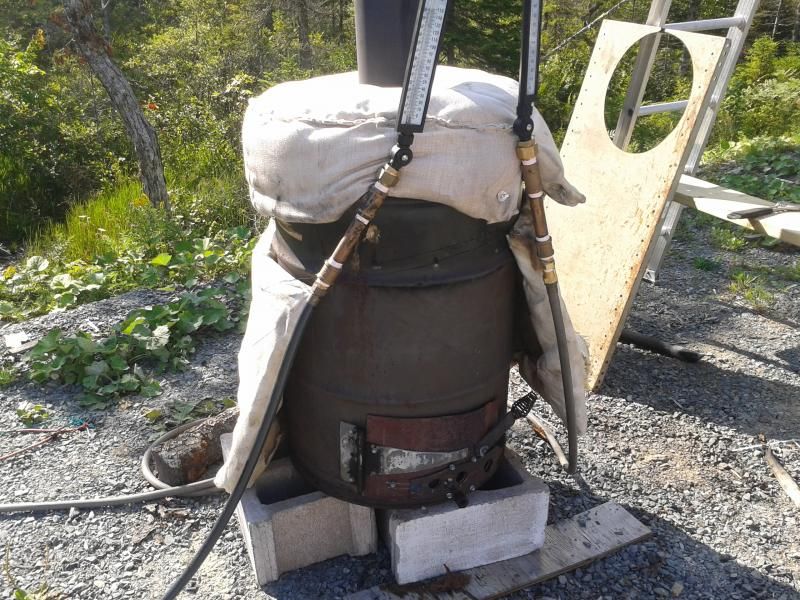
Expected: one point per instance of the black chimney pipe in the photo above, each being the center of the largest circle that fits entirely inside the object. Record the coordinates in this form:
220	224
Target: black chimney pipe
383	37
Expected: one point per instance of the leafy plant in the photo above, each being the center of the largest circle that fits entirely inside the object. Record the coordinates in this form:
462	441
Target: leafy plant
751	288
764	167
177	413
8	375
32	414
42	284
705	264
160	338
726	238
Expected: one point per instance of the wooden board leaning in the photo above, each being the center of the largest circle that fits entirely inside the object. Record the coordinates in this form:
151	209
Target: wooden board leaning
602	246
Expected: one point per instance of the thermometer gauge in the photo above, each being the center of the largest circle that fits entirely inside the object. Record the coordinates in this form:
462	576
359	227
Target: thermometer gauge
421	65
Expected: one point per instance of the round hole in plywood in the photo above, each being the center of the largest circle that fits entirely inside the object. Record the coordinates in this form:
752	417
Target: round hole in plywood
670	81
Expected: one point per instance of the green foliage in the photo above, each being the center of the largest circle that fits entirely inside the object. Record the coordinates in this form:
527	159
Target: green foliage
763	99
705	264
8	375
160	338
31	414
50	150
764	167
117	242
751	289
43	592
193	65
177	413
727	238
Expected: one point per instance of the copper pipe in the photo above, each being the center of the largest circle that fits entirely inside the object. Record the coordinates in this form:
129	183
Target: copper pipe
542	250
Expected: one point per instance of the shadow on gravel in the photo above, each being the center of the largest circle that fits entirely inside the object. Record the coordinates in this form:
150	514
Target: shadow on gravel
789	358
650	569
671	559
738	309
745	402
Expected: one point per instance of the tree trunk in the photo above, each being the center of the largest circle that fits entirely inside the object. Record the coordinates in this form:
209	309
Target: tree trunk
777	18
140	132
796	28
303	33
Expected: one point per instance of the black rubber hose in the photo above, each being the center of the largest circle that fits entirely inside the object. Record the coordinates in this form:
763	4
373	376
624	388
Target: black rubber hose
199	487
252	460
653	344
566	375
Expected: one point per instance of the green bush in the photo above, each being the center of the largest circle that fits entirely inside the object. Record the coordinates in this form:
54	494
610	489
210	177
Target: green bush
764	94
764	167
51	149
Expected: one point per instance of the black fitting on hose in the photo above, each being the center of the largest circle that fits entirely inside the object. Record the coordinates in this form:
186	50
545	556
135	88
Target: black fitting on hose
401	151
523	128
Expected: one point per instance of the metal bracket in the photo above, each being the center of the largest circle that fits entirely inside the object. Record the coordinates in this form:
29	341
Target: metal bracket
384	460
457	480
351	452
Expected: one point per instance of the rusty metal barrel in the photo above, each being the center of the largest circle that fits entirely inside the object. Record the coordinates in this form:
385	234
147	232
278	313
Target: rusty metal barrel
404	367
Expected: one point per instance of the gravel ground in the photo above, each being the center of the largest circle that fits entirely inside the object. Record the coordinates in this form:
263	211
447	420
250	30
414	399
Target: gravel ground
675	444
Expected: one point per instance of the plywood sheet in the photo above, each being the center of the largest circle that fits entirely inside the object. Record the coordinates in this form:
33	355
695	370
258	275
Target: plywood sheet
568	544
602	245
718	201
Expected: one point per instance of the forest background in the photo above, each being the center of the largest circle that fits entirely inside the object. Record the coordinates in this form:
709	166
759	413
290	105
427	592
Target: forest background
75	225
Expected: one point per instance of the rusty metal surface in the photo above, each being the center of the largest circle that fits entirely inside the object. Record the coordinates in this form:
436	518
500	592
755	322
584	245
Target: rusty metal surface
438	348
433	434
410	243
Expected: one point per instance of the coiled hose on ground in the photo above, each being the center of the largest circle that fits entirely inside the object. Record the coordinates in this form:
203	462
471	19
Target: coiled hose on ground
204	487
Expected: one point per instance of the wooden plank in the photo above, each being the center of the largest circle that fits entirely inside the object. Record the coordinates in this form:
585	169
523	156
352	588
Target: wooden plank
602	246
718	201
568	544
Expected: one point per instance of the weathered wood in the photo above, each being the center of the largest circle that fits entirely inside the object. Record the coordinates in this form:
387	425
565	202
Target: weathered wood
602	246
544	431
718	201
569	544
186	458
94	49
785	480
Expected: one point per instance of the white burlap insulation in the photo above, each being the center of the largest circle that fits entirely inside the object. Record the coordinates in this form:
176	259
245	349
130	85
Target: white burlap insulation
277	301
311	149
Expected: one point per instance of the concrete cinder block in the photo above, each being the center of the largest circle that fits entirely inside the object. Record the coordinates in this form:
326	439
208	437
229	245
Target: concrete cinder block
505	519
287	525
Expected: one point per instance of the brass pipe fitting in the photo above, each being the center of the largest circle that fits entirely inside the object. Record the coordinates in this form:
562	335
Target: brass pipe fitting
543	246
371	202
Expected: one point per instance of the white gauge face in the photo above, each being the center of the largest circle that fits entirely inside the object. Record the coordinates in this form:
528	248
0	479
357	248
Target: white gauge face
423	62
533	48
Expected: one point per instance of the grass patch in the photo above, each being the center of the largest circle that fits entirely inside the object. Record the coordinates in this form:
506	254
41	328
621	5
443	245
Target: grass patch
705	264
791	273
8	375
751	289
116	242
785	273
726	238
99	226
